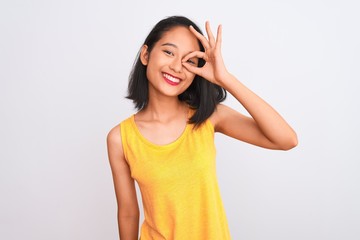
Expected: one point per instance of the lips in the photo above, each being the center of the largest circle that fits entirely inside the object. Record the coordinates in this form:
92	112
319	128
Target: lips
171	79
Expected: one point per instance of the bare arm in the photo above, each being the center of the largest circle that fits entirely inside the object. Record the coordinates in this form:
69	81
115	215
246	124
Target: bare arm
265	127
128	209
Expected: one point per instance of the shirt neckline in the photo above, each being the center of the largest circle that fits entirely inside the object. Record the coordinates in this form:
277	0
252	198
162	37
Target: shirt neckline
159	146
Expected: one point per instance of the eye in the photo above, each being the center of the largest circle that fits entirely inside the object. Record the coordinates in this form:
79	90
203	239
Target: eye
191	62
167	52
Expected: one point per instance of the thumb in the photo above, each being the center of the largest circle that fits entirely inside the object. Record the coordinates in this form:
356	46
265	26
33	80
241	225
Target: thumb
191	68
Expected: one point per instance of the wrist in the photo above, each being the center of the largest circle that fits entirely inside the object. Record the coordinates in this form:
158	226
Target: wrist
226	80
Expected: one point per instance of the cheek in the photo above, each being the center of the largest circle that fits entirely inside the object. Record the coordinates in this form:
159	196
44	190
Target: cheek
190	76
190	79
151	70
148	73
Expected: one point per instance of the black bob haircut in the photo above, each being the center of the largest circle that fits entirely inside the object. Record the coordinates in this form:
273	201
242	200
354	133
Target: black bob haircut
202	95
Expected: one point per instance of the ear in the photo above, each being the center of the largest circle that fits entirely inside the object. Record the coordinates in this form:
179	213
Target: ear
144	55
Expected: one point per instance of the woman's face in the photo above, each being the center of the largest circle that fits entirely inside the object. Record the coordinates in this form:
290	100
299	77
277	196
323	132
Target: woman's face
165	72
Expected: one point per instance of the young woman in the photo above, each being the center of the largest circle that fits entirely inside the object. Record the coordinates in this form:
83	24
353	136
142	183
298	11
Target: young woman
177	84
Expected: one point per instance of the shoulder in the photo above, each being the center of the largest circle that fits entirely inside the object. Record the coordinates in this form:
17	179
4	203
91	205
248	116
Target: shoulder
220	113
113	139
114	135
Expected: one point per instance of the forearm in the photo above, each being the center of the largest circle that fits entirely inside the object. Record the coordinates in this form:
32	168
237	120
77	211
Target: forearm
269	121
128	227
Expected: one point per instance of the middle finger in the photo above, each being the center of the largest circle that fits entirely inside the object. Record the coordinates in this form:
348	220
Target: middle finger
199	36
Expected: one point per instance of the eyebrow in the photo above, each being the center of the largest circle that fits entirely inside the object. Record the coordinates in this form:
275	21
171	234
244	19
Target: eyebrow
169	44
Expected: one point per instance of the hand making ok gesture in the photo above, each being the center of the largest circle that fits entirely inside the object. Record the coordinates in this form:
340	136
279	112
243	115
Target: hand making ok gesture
214	69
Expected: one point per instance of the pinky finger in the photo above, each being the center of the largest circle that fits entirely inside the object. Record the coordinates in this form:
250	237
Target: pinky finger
219	36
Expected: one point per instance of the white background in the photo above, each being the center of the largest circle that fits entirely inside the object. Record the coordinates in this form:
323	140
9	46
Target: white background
63	77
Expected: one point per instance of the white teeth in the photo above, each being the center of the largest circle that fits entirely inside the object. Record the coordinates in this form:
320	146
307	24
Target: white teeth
171	78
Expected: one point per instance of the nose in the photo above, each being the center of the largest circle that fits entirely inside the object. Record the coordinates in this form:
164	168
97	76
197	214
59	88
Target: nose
176	65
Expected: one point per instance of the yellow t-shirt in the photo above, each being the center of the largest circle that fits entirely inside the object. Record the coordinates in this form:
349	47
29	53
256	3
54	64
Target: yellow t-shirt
178	184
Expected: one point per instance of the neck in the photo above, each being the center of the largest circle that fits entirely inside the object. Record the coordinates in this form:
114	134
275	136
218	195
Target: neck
165	108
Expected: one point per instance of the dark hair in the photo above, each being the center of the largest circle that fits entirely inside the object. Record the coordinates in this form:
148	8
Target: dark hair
201	95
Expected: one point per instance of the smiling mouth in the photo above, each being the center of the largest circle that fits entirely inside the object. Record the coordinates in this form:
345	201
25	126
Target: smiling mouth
170	79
